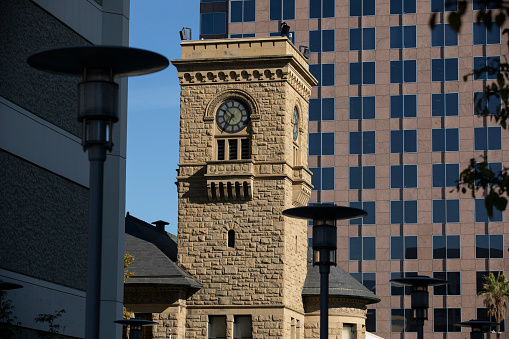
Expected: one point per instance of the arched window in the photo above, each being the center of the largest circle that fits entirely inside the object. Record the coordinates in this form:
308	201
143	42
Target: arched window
231	238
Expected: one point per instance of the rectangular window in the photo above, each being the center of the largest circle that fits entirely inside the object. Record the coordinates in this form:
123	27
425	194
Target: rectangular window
362	73
443	35
362	108
494	167
486	105
402	6
368	279
446	211
479	4
479	279
242	327
404	141
242	10
291	35
489	246
217	327
362	248
444	69
323	178
212	23
489	66
481	215
403	176
482	314
321	40
362	38
484	36
404	212
396	289
445	175
321	109
403	36
242	35
230	147
445	319
438	6
402	320
403	71
362	7
368	206
362	177
445	140
487	138
444	104
446	247
362	142
321	9
452	288
404	247
371	320
282	9
324	73
403	106
321	143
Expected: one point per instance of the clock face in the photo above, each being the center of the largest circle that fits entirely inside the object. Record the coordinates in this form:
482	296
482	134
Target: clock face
232	116
295	124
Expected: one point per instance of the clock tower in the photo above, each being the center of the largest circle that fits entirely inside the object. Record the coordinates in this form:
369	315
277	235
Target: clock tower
243	160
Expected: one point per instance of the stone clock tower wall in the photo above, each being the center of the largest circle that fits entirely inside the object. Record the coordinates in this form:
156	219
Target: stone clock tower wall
233	187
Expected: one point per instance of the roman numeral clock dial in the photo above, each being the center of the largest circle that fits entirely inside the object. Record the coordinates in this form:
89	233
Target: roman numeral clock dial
232	116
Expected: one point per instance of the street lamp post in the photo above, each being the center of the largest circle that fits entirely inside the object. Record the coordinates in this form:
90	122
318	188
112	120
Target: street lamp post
479	327
419	297
324	246
98	111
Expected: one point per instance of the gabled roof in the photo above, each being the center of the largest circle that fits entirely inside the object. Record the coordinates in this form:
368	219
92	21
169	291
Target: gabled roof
153	251
341	284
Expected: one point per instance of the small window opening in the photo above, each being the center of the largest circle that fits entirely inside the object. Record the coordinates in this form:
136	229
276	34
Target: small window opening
231	238
220	150
213	189
232	145
244	148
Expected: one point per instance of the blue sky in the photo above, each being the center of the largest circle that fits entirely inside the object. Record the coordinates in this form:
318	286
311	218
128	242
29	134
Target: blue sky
154	109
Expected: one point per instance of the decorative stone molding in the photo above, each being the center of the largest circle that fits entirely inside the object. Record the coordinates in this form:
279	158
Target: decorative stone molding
230	180
301	186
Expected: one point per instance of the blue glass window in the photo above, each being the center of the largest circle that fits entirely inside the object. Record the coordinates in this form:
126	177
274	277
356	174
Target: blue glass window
242	35
444	5
484	36
368	206
371	319
478	4
282	9
362	142
404	248
487	138
362	7
444	69
362	108
445	175
368	279
242	10
362	73
323	178
321	109
445	319
321	9
446	211
444	140
481	215
362	177
321	40
404	212
362	38
446	247
444	104
443	35
490	66
402	6
321	143
484	105
403	176
403	106
403	36
402	320
404	141
398	289
489	246
403	71
212	23
362	248
324	73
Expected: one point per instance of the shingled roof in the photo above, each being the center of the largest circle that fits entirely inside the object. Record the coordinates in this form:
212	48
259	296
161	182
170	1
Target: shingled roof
155	255
341	284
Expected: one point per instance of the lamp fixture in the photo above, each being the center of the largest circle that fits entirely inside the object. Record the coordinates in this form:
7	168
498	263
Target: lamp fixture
183	33
305	51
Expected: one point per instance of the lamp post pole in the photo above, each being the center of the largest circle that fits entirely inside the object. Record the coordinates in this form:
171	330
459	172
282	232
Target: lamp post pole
324	246
98	111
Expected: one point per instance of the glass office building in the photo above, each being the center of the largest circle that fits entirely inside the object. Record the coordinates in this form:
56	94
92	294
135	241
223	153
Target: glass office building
392	124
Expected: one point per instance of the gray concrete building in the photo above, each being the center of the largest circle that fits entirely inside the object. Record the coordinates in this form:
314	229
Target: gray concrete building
392	124
44	171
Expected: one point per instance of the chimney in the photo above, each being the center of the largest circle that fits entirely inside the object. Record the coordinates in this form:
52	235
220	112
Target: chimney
160	225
